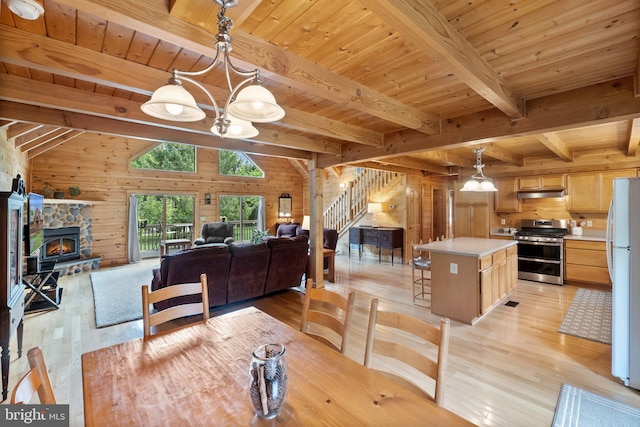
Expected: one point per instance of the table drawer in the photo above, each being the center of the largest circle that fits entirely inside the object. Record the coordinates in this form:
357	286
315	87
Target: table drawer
499	256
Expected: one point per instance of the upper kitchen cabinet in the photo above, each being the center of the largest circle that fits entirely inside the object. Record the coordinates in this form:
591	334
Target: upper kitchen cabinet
544	182
506	198
592	191
471	213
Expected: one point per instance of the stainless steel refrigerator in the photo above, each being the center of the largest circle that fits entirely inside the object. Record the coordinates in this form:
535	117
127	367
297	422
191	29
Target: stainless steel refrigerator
623	255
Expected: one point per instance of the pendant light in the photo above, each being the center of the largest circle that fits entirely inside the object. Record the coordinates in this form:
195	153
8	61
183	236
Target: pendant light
478	182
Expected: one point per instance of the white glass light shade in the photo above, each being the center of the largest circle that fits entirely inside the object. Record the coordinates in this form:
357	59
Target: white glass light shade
306	222
238	129
256	104
471	185
26	9
374	207
173	102
487	186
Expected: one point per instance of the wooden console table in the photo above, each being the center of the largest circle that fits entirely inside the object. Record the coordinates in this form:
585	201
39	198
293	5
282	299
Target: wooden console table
166	244
381	237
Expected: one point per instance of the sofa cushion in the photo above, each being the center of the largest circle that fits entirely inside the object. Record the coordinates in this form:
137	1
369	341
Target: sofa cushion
287	230
287	263
248	271
187	265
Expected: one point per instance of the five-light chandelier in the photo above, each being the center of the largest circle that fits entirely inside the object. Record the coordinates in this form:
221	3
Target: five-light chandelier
248	101
478	182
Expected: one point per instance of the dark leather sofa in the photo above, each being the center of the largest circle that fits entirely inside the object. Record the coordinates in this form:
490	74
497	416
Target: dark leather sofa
235	272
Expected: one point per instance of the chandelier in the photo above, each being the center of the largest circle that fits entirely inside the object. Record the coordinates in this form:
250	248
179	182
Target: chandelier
478	182
248	101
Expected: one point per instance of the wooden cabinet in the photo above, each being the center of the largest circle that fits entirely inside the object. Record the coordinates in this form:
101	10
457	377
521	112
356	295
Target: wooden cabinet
592	191
586	262
471	213
496	278
544	182
381	237
506	198
11	288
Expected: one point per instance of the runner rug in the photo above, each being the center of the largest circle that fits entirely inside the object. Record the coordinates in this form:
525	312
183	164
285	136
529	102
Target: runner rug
589	316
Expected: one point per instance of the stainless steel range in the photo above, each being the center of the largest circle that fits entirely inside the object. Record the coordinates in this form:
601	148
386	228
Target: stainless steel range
541	250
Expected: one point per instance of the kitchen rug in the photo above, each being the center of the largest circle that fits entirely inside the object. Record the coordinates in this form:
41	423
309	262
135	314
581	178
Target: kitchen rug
589	316
580	408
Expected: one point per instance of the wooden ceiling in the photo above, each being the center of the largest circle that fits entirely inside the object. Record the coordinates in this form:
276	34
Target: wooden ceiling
407	85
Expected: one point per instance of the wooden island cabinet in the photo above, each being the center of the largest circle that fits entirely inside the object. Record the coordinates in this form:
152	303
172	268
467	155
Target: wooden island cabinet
471	276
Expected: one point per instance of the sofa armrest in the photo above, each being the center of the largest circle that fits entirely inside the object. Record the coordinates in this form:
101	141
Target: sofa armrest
199	241
229	240
156	282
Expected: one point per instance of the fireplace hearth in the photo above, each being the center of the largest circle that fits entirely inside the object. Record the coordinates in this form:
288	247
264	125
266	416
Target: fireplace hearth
60	244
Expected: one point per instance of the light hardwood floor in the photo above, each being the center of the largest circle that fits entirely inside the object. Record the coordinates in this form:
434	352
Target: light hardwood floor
504	371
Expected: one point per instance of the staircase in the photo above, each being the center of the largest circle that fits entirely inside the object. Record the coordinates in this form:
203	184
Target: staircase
351	204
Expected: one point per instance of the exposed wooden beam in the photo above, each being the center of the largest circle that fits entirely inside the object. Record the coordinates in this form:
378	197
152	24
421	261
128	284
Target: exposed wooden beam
300	166
445	157
20	129
38	132
602	103
50	95
35	143
385	167
634	137
73	120
413	163
53	143
151	17
554	143
421	23
504	155
336	171
203	13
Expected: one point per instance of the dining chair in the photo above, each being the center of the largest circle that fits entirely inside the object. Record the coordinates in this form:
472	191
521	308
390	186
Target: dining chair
35	380
432	362
328	310
420	263
177	311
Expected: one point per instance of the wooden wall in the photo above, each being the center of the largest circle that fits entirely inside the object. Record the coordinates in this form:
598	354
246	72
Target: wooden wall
99	165
12	162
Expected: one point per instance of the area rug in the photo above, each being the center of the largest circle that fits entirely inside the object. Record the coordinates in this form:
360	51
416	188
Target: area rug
116	292
580	408
589	316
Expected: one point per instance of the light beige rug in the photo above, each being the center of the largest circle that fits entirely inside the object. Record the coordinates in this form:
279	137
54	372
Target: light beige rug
589	316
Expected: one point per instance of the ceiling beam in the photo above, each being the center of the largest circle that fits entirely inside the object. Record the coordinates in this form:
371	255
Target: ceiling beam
447	158
425	27
391	168
502	154
50	95
152	17
20	129
413	163
557	146
601	103
38	132
35	143
53	56
73	120
634	137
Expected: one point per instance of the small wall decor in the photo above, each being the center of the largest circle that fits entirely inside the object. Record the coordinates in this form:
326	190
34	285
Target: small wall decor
284	207
207	199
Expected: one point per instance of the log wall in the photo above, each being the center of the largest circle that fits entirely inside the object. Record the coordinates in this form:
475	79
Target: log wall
99	165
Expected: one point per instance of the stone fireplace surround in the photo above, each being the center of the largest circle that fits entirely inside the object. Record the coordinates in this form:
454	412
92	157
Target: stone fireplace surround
66	213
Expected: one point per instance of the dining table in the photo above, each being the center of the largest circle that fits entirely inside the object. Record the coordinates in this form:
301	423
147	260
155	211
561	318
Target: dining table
198	375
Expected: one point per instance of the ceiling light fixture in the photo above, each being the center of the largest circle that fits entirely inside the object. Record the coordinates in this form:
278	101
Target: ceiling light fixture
478	182
248	101
26	9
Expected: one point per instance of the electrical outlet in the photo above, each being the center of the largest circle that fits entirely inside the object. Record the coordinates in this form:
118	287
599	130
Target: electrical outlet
453	268
589	224
503	221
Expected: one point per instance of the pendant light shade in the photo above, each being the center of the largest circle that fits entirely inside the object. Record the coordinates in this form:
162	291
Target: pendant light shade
236	129
256	104
478	182
173	102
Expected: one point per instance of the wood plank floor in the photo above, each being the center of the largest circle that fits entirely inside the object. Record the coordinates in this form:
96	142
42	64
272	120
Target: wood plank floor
504	371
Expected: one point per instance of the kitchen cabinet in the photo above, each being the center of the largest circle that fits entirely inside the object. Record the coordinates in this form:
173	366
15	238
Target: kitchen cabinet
586	262
471	213
506	198
592	191
543	182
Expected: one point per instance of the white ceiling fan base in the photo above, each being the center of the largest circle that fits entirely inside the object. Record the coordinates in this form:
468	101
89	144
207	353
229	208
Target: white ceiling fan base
26	9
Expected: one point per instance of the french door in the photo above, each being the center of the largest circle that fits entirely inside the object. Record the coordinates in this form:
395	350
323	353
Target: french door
246	213
162	217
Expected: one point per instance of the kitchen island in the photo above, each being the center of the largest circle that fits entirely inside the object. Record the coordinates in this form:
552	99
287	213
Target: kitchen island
471	276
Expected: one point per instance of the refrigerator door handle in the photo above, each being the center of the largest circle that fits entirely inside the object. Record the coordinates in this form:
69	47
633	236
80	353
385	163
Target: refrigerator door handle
609	241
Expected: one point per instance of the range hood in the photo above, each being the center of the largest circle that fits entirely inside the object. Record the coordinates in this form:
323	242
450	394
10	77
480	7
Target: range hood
541	194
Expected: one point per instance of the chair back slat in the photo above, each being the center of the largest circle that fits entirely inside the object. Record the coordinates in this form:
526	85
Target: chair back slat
34	381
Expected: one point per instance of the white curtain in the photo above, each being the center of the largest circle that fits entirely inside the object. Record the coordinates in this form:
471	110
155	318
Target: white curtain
133	245
261	215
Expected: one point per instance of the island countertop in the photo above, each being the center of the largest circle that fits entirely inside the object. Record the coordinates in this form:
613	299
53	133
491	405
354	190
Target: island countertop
467	246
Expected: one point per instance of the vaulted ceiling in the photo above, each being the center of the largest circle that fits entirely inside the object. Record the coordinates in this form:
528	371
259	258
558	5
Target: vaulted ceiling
407	85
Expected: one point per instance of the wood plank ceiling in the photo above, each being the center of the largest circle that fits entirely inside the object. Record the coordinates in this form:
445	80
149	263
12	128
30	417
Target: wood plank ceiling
403	84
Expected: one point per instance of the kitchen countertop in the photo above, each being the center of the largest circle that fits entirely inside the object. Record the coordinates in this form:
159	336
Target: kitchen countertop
468	246
591	238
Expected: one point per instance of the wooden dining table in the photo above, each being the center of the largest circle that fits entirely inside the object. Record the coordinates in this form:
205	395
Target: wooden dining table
199	375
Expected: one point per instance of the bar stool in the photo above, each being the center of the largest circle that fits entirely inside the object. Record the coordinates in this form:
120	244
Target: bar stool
421	285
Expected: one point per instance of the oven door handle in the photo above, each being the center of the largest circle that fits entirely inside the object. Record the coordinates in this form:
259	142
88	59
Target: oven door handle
548	261
539	243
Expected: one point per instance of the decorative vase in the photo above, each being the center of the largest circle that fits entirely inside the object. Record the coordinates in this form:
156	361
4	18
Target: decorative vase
268	380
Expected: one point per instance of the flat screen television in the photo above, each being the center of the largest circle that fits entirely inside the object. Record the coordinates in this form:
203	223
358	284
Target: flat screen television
34	229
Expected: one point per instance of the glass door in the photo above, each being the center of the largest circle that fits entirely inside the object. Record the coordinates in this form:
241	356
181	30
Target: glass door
246	213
